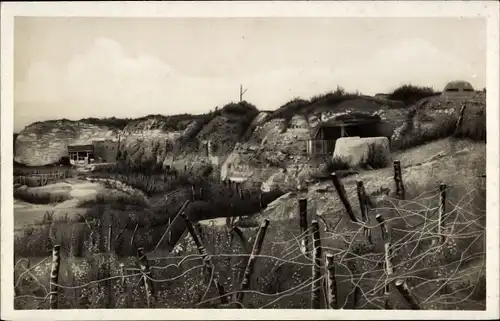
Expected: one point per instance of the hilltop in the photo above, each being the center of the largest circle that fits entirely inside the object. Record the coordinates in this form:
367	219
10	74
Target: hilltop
241	141
42	143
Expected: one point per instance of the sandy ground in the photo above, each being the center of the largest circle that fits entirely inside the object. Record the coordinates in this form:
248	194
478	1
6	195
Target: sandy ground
26	213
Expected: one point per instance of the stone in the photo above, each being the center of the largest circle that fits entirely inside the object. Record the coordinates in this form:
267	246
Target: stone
356	151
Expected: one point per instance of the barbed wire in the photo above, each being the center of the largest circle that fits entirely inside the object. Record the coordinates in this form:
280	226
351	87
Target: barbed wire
462	219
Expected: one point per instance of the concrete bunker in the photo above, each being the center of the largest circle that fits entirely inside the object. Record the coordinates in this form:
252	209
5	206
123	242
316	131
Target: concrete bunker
325	135
458	87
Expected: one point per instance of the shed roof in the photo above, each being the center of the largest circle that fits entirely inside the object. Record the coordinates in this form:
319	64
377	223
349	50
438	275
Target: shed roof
346	121
81	148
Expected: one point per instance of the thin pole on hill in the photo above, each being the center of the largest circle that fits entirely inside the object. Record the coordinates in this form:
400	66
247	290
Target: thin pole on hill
343	196
398	179
54	276
209	268
364	209
316	268
242	92
257	246
331	285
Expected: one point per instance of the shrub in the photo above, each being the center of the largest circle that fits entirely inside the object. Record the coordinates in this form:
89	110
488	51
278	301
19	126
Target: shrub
333	97
112	122
375	159
116	201
40	197
336	164
410	94
298	106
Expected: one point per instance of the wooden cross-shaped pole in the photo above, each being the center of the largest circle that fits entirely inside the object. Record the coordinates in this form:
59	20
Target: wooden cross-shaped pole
242	92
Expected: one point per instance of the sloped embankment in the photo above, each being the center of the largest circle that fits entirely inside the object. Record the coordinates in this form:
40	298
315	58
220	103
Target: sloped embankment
438	116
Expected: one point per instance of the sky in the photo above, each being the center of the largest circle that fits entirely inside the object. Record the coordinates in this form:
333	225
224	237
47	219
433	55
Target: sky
70	67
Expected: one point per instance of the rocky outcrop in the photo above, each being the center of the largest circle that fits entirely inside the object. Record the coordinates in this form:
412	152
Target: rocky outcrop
46	142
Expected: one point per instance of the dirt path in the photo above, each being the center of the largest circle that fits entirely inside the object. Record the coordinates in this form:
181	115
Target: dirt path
79	190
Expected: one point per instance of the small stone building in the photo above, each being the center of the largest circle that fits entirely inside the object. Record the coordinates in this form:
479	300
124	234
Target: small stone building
81	154
324	136
102	151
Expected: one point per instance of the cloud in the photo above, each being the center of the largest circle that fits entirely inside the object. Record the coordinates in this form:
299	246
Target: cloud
106	81
105	76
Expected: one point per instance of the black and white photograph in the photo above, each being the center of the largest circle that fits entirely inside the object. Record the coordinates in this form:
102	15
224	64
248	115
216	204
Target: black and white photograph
317	161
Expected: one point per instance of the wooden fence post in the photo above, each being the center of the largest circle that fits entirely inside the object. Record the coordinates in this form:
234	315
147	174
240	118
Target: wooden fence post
442	211
398	179
405	291
54	276
343	196
389	268
459	121
356	296
169	228
331	285
142	262
132	239
108	262
303	226
257	246
386	234
122	282
206	259
316	270
240	192
364	209
193	192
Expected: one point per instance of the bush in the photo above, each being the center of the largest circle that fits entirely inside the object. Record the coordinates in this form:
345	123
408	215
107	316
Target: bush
116	201
375	158
298	106
40	197
336	164
410	94
239	109
333	97
112	122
